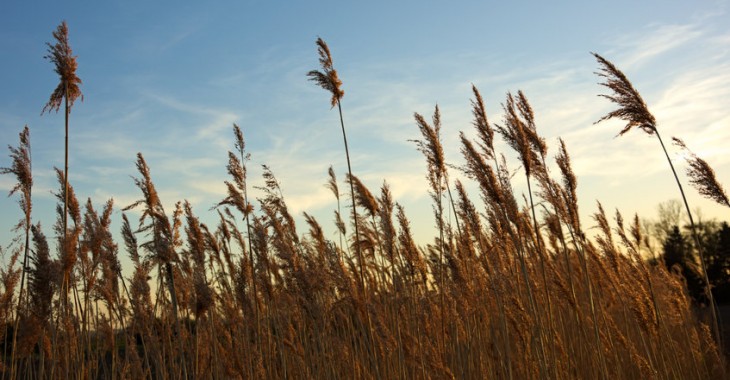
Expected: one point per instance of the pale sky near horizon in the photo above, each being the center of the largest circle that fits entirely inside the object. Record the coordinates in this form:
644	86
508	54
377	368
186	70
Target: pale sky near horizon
168	79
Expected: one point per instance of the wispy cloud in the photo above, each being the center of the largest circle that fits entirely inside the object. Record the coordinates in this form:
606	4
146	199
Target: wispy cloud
637	50
680	68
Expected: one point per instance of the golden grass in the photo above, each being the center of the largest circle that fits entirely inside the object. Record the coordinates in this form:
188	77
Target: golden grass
503	293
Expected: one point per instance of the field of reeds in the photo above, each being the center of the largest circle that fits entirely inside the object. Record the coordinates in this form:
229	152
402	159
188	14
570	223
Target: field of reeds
512	287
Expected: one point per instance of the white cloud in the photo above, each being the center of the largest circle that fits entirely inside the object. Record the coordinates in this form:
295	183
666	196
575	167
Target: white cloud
288	124
637	49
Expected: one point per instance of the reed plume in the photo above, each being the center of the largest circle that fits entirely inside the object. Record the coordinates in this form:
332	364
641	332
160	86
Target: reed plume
327	78
22	169
569	187
631	106
332	186
43	277
61	55
702	176
482	125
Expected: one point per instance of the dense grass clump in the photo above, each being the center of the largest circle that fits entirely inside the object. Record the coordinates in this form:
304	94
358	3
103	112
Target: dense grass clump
511	288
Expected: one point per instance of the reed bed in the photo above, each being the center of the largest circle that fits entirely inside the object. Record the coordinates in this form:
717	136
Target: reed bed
511	288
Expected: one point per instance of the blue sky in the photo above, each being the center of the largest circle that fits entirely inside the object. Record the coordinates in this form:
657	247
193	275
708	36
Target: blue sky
169	79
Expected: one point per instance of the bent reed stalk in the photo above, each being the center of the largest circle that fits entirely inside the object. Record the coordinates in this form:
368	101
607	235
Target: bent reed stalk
634	111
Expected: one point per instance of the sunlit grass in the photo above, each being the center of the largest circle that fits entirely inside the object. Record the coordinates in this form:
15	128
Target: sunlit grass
512	289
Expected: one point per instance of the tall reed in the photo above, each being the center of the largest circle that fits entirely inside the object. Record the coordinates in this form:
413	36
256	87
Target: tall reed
330	81
67	91
164	239
633	110
22	169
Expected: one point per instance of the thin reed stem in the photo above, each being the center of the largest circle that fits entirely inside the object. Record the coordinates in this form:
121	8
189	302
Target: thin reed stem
358	249
698	243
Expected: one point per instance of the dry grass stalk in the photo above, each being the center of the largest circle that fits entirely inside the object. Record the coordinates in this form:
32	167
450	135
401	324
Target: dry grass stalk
633	110
330	81
67	91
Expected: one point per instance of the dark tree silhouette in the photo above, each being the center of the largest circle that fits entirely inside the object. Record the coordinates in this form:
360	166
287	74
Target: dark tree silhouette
678	257
718	268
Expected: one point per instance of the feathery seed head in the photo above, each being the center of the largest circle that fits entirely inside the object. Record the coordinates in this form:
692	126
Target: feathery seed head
528	115
481	123
332	183
432	149
62	57
632	108
22	169
702	176
240	143
517	132
363	197
327	78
